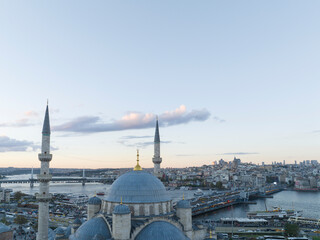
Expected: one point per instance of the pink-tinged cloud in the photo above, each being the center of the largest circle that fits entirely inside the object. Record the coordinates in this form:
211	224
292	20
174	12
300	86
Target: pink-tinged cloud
133	120
31	114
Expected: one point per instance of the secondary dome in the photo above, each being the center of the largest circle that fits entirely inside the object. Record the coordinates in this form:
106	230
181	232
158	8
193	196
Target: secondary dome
121	209
91	228
137	187
161	230
94	201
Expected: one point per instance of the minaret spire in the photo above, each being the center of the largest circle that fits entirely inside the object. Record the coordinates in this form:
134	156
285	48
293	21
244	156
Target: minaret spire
46	123
156	157
157	135
44	178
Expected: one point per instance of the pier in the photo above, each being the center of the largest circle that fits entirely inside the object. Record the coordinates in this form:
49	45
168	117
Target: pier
210	203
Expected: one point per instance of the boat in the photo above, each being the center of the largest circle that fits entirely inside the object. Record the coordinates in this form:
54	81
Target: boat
75	199
198	193
100	193
275	213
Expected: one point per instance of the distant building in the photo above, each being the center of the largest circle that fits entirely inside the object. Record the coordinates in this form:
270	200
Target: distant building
5	195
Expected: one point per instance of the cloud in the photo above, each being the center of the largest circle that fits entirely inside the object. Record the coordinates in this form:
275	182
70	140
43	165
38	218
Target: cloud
316	131
135	137
23	122
140	144
186	155
238	153
220	120
31	114
12	145
133	120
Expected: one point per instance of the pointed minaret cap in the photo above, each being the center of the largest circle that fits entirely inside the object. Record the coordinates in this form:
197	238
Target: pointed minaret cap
157	136
46	123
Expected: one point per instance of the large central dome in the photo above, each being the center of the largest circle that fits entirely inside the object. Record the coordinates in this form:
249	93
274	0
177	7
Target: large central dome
137	187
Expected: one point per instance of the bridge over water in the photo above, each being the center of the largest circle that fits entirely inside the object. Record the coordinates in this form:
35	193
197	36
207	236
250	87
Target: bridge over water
82	180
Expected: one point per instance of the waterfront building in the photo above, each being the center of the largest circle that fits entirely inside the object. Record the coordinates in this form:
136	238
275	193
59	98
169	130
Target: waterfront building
5	195
138	208
156	157
44	178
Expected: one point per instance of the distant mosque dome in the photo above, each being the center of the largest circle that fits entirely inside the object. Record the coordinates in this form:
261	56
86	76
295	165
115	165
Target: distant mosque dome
161	230
138	187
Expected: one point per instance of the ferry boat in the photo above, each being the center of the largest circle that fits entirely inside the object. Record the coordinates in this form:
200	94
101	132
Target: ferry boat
275	213
75	199
198	193
100	193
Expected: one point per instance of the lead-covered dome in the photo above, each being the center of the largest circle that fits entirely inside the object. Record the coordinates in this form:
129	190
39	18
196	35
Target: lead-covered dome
94	201
183	204
137	187
91	228
121	209
160	230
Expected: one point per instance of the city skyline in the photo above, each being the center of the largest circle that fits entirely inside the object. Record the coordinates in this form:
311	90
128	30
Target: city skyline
225	79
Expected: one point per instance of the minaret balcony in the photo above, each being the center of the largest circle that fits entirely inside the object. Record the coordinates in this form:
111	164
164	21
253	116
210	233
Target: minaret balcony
44	177
45	157
157	160
43	197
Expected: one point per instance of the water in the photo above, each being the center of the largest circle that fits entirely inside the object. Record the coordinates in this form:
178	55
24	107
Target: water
307	202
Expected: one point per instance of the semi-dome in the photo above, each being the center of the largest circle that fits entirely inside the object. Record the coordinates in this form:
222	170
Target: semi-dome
137	187
183	204
59	231
91	228
121	209
161	230
94	201
77	221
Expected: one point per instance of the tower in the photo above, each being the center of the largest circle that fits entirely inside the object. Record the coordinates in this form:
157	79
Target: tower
184	213
94	206
44	178
121	222
156	157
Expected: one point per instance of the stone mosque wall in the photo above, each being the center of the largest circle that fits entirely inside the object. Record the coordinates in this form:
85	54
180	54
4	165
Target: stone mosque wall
141	209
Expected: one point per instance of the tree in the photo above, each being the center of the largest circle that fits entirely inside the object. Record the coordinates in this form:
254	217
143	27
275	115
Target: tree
219	185
291	230
20	219
4	221
18	195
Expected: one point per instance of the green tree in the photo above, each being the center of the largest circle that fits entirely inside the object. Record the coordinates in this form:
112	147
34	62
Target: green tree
4	221
291	230
18	195
20	219
219	185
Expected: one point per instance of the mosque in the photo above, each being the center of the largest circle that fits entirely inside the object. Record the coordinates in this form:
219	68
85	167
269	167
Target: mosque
136	208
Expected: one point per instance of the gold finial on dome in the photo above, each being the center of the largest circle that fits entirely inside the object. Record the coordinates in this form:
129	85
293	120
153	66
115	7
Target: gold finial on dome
137	167
121	201
183	196
210	234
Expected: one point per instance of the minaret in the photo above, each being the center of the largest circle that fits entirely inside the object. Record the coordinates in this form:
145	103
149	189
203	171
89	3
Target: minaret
44	178
156	157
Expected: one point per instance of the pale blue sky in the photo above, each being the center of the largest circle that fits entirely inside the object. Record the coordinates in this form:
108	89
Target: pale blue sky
249	68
